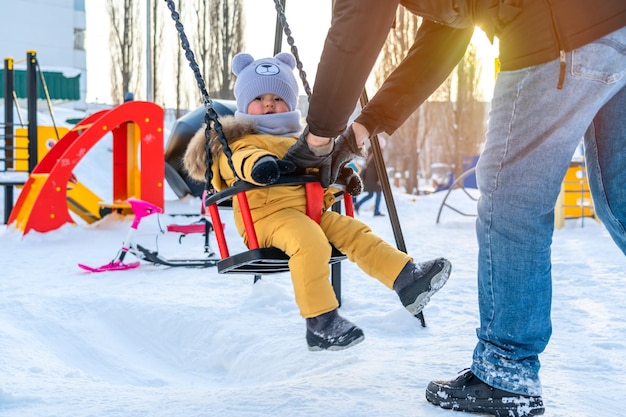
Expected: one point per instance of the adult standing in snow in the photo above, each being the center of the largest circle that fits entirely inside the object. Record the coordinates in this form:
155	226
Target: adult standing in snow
563	73
371	185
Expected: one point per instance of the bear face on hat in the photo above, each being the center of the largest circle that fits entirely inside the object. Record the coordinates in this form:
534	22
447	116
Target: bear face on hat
265	76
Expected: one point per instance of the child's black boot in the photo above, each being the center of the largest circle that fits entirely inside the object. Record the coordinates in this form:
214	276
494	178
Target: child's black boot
416	283
330	331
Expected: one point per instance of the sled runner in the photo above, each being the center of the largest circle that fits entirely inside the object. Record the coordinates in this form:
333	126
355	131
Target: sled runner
143	209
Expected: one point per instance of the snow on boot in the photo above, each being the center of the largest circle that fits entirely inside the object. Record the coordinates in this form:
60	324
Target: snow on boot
330	331
416	283
470	394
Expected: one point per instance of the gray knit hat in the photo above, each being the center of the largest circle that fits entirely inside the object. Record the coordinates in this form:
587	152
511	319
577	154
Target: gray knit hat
265	76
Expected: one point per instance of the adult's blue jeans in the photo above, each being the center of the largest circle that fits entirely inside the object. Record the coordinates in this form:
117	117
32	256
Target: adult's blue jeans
534	129
368	196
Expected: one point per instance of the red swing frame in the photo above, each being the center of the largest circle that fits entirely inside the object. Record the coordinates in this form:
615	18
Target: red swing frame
260	261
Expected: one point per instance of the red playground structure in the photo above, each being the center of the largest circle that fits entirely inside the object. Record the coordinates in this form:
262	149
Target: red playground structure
138	166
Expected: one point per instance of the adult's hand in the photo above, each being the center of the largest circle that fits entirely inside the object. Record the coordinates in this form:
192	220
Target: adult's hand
346	149
301	155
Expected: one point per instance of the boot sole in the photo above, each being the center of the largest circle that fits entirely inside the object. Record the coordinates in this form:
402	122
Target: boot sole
436	283
350	338
505	407
337	347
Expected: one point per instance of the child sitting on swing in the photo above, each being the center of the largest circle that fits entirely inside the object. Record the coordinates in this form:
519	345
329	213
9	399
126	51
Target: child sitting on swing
265	125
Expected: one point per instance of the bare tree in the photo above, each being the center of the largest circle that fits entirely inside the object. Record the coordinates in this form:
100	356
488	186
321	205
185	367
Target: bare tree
217	37
126	47
181	74
205	14
470	111
456	115
402	150
447	127
183	77
220	37
156	36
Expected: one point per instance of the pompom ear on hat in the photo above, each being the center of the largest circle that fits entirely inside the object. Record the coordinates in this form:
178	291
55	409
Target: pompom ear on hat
264	76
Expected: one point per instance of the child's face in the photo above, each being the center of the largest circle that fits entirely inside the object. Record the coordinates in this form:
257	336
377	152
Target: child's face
267	104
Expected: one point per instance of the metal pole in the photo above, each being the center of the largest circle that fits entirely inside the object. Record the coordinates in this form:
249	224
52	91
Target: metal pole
8	135
8	114
149	88
31	97
379	162
278	36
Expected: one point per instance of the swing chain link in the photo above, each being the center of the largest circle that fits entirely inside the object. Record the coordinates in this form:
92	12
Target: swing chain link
294	50
211	114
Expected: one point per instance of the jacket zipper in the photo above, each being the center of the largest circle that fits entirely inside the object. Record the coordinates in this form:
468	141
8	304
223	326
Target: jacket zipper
562	65
562	61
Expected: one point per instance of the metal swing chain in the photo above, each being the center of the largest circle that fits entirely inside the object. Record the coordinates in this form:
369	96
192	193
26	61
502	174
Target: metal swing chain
211	114
48	101
294	50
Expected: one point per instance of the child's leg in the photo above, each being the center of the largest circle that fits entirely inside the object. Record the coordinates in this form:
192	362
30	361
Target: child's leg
362	246
293	232
379	196
363	200
414	282
303	240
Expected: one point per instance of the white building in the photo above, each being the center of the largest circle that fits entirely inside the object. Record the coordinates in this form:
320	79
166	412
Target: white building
55	30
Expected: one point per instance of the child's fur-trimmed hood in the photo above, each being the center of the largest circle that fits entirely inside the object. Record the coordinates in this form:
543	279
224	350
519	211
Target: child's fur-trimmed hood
194	159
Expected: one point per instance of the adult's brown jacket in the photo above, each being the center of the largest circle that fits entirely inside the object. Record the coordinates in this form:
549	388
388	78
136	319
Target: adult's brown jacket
530	32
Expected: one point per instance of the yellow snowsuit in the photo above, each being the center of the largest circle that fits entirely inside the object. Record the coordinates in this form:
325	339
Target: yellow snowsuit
279	215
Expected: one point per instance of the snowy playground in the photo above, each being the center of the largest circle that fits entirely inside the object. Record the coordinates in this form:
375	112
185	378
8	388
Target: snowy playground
172	341
148	339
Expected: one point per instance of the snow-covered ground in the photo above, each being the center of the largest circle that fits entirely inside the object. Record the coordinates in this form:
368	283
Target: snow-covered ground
157	341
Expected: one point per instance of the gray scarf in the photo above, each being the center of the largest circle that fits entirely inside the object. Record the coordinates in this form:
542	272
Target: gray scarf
277	124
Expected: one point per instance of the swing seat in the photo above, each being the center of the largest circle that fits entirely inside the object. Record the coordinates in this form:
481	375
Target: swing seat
202	226
264	261
261	261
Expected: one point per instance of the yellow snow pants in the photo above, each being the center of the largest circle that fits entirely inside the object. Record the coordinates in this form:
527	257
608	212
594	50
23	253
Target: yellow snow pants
308	246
